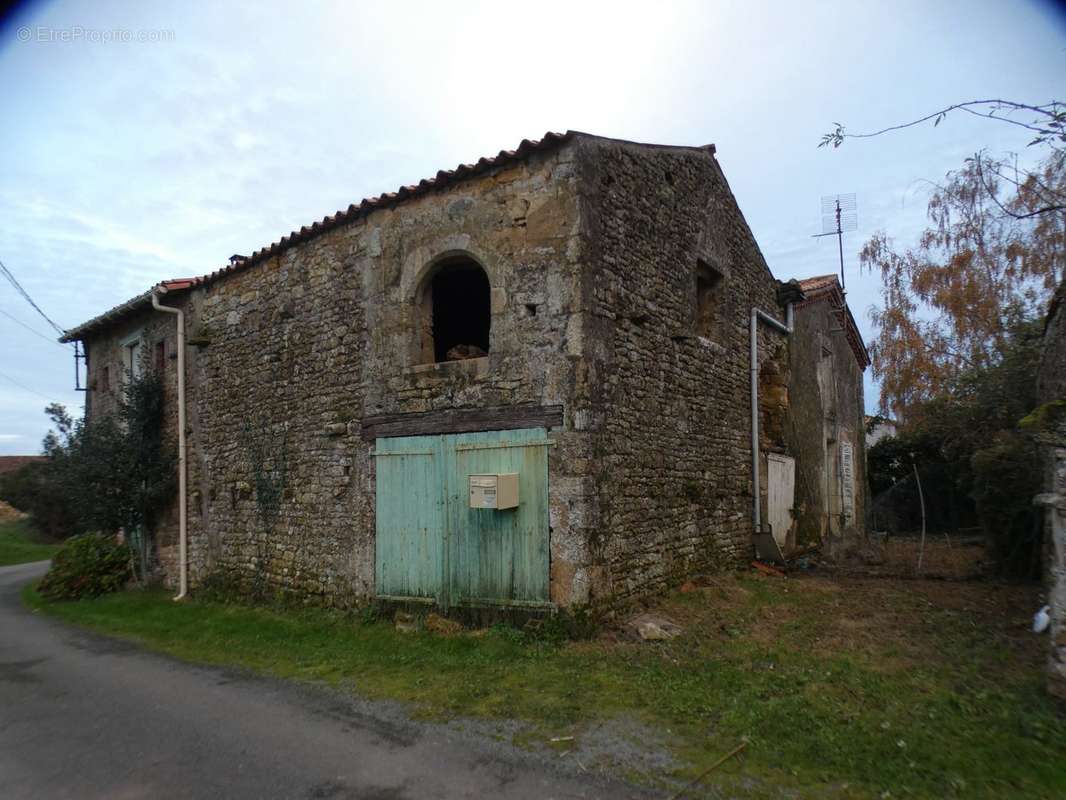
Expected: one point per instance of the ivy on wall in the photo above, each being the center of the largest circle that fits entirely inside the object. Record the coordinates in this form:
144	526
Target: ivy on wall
267	451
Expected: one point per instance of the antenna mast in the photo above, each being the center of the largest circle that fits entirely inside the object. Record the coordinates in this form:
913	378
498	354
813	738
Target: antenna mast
840	213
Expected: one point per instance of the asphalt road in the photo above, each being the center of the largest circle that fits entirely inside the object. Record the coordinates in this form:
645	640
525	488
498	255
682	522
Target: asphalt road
84	716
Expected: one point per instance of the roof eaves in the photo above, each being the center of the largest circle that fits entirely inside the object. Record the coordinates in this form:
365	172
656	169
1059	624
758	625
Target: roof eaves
124	310
827	287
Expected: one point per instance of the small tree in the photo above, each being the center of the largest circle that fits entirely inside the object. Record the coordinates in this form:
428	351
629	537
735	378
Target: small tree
115	471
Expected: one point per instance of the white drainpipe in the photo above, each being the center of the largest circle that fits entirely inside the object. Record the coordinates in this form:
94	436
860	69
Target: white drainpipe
183	532
785	327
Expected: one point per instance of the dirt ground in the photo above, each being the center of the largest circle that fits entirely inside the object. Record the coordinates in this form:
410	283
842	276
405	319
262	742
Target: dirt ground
939	660
881	608
942	557
7	512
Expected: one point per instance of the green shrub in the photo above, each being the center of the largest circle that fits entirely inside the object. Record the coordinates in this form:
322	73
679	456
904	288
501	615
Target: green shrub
1007	474
88	565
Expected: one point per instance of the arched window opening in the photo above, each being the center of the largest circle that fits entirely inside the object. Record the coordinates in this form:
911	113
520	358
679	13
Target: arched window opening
456	312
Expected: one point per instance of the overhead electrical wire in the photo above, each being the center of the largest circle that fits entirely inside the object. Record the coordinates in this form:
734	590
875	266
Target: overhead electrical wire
18	287
26	388
35	332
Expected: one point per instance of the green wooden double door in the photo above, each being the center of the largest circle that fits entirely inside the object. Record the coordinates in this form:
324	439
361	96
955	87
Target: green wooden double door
432	547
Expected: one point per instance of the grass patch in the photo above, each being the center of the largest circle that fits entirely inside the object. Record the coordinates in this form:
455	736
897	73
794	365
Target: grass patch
845	690
20	543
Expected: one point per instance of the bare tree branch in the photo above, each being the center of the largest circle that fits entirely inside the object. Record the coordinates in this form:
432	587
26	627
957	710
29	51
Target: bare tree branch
979	162
1055	200
1038	212
1050	122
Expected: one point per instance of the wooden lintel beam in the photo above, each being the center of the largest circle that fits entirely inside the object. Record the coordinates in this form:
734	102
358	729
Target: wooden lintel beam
461	420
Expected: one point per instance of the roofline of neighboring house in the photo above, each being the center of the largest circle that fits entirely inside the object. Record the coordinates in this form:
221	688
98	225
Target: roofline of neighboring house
12	463
827	287
123	310
441	180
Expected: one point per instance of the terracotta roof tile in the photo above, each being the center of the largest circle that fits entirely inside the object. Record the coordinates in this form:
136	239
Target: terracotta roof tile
442	179
818	283
12	463
827	287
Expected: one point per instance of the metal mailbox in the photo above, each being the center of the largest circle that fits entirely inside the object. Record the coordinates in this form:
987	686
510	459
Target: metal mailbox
498	490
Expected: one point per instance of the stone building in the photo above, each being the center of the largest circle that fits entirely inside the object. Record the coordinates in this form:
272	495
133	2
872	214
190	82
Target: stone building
827	429
571	319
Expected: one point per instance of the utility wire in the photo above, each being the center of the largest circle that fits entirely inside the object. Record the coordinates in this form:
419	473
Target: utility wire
18	287
31	330
27	388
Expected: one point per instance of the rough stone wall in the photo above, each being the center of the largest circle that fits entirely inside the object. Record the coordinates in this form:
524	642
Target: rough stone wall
827	408
105	355
669	409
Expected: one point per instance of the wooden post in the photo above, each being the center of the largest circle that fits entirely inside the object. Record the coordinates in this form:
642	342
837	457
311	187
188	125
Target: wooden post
921	499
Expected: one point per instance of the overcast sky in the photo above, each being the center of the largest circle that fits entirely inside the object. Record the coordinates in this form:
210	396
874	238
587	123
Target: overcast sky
126	162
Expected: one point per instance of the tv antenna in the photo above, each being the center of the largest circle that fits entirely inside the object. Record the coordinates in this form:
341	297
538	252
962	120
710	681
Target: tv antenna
840	213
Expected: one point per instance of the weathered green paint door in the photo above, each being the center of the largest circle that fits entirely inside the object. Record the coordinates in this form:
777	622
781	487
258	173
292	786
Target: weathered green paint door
432	546
410	518
500	557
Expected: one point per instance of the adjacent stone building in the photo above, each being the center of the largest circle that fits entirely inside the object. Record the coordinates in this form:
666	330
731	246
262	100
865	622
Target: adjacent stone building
1048	424
827	421
571	318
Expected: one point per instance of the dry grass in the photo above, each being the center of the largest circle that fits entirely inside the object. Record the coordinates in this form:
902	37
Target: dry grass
944	557
947	557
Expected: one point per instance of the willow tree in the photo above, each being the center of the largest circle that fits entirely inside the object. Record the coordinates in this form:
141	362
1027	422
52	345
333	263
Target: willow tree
985	266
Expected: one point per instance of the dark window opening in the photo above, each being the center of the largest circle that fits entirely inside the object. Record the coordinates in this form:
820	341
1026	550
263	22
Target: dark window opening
160	355
531	309
461	312
105	379
709	311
